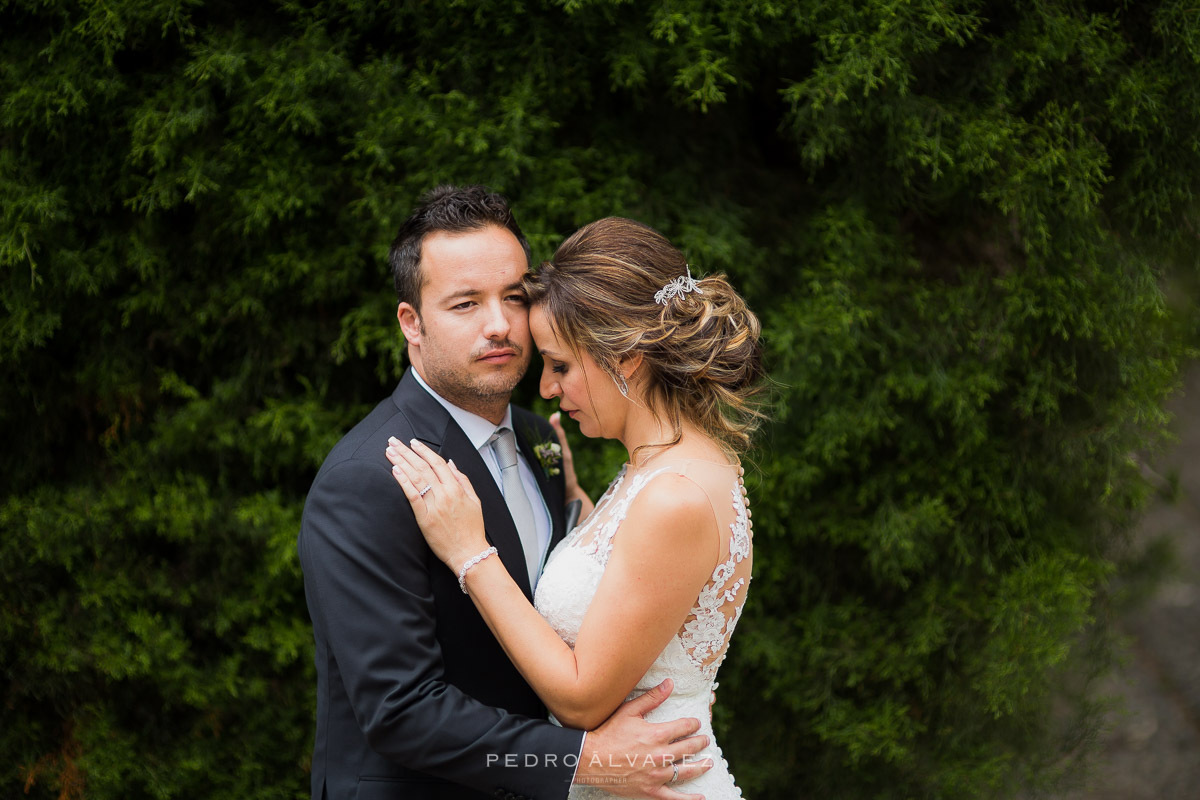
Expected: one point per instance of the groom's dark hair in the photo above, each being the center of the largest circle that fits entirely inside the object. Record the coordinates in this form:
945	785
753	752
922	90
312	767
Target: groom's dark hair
449	209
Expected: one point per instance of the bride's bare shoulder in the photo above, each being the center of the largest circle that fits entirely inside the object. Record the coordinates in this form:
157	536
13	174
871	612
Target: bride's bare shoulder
671	511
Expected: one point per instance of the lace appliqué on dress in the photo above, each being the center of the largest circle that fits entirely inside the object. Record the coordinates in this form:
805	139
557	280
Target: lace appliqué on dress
706	634
707	631
694	653
601	543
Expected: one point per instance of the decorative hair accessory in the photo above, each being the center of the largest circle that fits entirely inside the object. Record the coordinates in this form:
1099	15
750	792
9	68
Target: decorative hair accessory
681	285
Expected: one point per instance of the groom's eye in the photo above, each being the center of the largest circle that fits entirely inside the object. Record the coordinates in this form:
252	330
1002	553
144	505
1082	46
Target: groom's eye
518	298
463	305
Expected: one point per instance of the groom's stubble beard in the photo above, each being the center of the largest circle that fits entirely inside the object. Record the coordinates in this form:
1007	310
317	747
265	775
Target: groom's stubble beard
472	386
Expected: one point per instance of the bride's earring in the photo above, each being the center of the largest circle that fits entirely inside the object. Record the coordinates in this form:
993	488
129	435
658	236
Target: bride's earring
622	386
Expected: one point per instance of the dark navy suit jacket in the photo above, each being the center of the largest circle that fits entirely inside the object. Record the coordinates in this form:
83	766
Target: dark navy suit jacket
415	698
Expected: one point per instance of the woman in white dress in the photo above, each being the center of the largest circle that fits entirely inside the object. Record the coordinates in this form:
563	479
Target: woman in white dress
651	583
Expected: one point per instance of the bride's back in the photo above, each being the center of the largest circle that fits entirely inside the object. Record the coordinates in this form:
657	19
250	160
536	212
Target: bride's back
694	653
705	633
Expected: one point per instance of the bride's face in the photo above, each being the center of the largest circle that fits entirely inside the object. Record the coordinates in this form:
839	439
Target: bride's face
585	392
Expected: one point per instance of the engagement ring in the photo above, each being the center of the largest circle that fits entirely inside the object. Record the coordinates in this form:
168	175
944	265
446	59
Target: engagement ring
428	486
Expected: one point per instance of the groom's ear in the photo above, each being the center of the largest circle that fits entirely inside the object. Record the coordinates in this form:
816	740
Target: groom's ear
410	322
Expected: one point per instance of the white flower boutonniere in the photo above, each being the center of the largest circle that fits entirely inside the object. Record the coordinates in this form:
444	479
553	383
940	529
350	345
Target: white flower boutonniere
549	455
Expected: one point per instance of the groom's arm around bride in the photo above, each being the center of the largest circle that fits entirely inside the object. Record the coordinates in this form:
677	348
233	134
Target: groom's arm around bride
415	696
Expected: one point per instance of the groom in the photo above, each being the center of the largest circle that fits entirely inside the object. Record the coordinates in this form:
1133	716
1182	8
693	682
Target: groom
415	697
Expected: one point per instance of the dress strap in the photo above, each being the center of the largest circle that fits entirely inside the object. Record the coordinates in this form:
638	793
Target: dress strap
596	535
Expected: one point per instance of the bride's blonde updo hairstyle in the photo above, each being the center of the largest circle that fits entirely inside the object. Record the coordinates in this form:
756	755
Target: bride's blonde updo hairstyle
701	352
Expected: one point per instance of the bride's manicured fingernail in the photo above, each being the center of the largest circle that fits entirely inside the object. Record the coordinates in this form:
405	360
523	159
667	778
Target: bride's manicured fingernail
393	440
397	471
413	444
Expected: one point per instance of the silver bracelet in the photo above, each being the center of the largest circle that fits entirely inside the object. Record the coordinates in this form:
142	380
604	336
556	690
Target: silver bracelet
472	561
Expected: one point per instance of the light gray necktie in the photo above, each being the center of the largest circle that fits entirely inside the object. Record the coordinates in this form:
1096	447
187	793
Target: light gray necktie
504	444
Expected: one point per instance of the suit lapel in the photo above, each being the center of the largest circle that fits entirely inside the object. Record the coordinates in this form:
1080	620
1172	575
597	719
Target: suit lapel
438	429
496	520
550	491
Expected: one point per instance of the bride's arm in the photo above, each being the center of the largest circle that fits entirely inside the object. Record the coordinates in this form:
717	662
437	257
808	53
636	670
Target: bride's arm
664	555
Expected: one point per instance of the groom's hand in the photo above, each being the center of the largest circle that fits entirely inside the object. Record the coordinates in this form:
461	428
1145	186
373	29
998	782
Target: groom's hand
634	758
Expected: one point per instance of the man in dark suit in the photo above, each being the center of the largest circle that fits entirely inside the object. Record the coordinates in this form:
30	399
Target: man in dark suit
415	697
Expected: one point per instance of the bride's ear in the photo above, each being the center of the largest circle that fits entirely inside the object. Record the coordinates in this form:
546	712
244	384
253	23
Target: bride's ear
629	364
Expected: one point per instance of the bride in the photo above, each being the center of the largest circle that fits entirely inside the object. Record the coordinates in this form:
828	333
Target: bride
651	583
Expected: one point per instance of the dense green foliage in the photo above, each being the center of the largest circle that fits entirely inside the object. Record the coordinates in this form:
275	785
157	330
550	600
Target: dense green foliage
952	215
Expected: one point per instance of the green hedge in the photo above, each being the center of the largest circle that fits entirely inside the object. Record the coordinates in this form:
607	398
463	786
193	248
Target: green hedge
952	216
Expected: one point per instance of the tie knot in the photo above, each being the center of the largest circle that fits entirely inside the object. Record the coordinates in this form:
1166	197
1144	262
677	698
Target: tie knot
505	445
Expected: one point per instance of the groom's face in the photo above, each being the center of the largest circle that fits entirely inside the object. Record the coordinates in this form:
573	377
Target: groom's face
470	340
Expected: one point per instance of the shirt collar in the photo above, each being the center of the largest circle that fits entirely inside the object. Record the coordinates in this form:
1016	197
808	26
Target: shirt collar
477	429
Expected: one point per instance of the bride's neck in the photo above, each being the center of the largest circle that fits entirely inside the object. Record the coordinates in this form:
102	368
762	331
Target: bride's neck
646	435
644	428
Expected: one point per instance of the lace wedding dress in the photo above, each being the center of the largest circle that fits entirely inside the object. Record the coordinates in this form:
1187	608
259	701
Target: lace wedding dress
694	654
